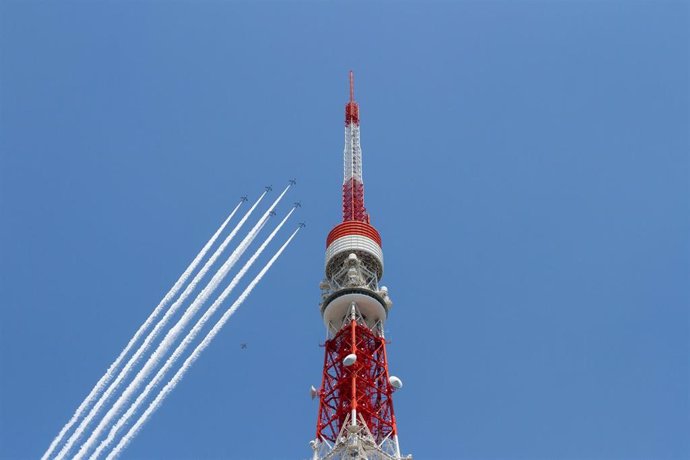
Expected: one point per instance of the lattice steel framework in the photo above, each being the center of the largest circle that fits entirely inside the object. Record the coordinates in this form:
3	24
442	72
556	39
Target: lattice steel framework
355	416
361	387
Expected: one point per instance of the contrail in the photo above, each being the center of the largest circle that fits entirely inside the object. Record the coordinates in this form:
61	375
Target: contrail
155	404
187	341
174	332
107	377
154	333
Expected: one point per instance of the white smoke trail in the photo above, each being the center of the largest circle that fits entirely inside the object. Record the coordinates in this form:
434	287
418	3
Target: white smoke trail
191	336
154	333
175	331
107	377
155	404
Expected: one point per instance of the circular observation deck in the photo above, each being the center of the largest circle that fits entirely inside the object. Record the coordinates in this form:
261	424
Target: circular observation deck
336	308
356	237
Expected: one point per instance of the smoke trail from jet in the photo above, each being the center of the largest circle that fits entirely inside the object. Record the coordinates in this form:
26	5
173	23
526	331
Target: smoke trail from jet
191	336
156	403
175	331
155	332
107	377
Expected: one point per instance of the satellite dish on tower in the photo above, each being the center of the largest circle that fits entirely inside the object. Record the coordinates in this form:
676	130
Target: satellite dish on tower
349	360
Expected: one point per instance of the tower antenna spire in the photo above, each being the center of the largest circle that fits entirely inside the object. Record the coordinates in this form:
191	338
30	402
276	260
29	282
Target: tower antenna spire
353	184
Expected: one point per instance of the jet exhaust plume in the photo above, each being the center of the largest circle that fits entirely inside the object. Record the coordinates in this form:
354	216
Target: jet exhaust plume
154	333
109	373
155	404
175	331
191	336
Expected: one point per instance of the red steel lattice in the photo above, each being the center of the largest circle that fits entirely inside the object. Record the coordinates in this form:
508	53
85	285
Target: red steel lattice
353	201
362	386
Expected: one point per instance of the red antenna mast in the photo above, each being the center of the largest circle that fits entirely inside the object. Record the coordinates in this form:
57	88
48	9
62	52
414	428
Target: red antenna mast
355	418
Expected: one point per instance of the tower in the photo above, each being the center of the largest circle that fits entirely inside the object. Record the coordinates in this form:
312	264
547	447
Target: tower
355	417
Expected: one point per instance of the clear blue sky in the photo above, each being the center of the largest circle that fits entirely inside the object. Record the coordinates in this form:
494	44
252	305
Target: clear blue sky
525	162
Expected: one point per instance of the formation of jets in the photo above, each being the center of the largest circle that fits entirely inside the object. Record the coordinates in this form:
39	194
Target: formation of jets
296	204
269	188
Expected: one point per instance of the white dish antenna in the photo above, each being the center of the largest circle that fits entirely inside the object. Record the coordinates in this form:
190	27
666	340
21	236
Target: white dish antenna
349	360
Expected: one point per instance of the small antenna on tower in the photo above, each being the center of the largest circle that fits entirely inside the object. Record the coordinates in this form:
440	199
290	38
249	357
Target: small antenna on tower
352	86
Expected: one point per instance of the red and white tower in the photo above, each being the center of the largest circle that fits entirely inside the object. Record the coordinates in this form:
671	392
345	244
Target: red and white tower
356	418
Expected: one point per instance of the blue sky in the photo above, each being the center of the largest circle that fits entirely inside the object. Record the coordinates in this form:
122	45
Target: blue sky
525	162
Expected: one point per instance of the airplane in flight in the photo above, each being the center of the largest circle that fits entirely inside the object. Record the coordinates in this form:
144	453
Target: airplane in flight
293	181
269	188
272	213
243	346
244	198
298	204
302	225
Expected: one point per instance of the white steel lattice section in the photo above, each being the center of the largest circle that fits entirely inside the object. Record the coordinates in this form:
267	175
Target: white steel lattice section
352	273
352	156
